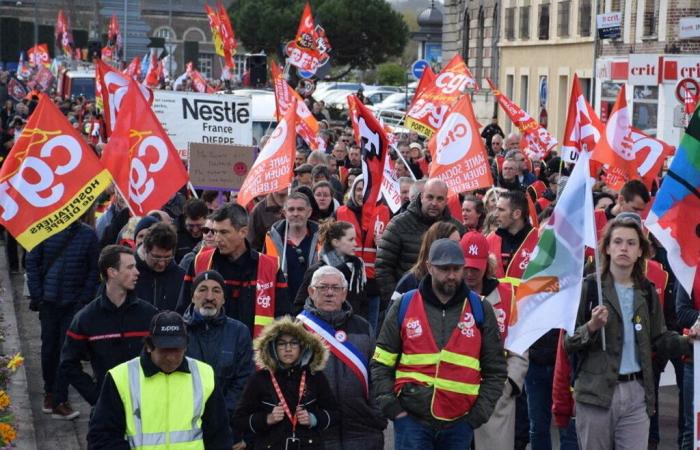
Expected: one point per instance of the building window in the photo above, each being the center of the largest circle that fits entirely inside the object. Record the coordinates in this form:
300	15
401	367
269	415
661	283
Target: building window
645	108
510	24
205	62
524	22
584	18
651	17
465	38
494	44
563	13
615	6
239	65
480	47
165	33
523	91
194	34
543	26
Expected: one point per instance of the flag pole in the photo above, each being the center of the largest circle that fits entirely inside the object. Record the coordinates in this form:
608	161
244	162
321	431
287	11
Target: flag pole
191	187
119	191
406	164
286	232
598	283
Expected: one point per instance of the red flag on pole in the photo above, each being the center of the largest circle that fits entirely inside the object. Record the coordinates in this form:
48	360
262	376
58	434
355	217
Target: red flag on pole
63	34
583	127
228	39
307	125
373	142
616	146
133	70
458	153
430	105
140	156
309	49
538	142
273	169
112	88
49	179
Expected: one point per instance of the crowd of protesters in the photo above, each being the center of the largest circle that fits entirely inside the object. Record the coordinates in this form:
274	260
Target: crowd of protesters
238	272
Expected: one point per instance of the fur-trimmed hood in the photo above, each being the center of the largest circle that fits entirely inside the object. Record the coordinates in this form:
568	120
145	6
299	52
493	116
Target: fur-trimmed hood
313	353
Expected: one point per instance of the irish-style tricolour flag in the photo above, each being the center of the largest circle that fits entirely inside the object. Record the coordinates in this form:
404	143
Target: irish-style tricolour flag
549	294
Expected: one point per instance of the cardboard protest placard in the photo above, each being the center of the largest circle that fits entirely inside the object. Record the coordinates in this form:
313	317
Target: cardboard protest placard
219	167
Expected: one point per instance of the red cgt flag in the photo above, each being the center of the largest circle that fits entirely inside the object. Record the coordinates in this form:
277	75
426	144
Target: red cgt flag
140	156
307	125
50	175
583	127
374	144
536	140
133	70
427	79
273	169
430	106
309	49
616	146
112	88
458	153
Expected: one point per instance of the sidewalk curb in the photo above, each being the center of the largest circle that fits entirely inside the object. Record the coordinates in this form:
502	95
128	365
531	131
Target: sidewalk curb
18	388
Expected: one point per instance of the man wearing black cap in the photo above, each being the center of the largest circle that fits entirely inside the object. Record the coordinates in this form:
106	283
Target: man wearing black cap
438	367
220	341
168	398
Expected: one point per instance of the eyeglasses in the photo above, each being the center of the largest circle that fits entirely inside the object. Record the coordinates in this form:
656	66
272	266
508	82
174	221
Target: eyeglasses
207	230
333	288
287	344
158	259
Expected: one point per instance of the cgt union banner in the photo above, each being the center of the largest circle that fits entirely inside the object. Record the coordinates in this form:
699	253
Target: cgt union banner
190	117
458	153
50	175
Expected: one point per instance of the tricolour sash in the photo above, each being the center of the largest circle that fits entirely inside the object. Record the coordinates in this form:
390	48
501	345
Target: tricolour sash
338	344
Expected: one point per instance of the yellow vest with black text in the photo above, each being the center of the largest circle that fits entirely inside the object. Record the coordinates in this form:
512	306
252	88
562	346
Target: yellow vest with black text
454	372
164	411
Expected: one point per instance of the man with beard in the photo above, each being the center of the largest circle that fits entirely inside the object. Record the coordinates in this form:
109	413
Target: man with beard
439	368
220	341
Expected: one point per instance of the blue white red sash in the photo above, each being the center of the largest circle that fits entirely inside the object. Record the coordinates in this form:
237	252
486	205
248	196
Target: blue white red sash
337	342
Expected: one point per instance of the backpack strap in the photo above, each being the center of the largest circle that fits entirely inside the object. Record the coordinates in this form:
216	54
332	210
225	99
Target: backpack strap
403	306
477	308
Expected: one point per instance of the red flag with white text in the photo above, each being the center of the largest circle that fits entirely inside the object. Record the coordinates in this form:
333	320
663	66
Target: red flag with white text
583	127
141	157
228	38
371	137
430	106
309	49
458	154
39	56
133	70
64	37
536	141
273	169
616	146
112	88
307	125
49	179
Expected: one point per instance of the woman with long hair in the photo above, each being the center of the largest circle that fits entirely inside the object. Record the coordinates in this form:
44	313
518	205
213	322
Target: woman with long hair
614	384
338	242
410	280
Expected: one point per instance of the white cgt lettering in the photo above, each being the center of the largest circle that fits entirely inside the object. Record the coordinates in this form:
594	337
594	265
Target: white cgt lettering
31	192
141	185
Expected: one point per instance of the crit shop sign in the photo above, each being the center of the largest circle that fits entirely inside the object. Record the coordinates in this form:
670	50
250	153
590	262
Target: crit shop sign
190	117
644	70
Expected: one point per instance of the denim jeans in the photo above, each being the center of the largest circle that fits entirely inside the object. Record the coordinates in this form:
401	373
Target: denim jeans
538	385
410	434
373	313
688	423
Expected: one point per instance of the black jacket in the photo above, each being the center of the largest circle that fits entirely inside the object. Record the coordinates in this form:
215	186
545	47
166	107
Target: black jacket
160	289
108	422
361	421
400	243
240	287
105	335
358	300
224	344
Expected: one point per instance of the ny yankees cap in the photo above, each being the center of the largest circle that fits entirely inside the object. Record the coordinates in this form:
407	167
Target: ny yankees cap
476	250
168	330
445	252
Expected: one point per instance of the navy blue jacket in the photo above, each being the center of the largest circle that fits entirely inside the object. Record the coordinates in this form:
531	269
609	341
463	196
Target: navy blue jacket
685	308
160	289
67	277
225	344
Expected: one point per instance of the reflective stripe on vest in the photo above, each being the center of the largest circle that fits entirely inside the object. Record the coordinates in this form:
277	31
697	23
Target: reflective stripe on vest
143	416
453	372
265	286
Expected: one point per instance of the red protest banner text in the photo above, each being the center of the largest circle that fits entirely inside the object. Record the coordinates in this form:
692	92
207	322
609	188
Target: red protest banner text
50	175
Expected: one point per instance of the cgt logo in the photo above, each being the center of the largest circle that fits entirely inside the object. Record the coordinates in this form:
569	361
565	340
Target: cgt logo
450	82
454	139
149	156
35	179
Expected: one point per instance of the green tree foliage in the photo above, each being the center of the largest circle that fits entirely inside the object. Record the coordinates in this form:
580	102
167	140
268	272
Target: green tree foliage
363	33
391	74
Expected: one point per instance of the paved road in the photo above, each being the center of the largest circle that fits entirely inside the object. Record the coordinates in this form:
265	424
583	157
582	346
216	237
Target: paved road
51	434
